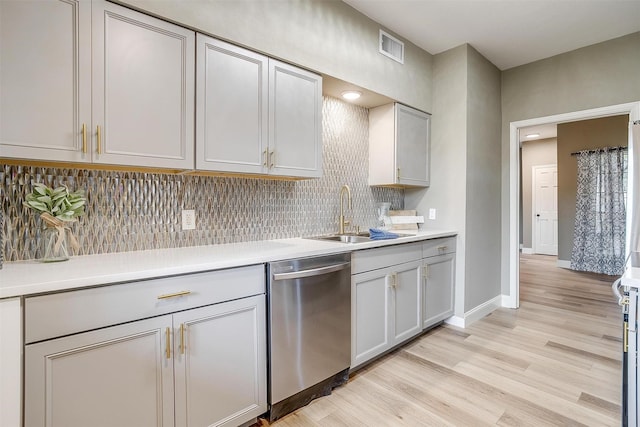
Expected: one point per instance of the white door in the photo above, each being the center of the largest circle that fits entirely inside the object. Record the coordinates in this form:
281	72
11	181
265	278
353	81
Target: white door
545	210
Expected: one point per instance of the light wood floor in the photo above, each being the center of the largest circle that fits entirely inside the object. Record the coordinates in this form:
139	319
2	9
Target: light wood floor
554	361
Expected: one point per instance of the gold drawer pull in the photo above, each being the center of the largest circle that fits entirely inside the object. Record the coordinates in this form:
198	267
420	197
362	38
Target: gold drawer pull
168	346
174	295
84	138
442	248
182	328
99	135
272	156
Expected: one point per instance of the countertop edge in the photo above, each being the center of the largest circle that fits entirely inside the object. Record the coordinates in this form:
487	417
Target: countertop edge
26	278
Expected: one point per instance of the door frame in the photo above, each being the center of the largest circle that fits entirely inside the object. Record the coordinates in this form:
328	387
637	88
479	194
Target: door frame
512	257
533	203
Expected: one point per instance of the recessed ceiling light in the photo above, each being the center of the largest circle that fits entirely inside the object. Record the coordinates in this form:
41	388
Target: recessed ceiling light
351	94
533	135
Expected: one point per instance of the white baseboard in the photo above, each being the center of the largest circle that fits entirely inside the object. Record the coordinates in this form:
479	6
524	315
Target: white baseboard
527	251
563	263
475	313
508	301
455	321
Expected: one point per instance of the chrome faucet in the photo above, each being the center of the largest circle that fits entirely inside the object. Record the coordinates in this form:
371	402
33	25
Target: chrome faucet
342	220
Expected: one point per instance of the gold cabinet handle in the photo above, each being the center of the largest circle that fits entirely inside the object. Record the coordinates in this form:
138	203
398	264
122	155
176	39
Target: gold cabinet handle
84	138
398	177
442	248
182	328
99	136
272	155
168	346
265	155
393	277
425	271
625	338
174	295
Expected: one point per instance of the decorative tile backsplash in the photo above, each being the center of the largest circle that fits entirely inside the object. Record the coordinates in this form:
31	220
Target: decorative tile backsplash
131	211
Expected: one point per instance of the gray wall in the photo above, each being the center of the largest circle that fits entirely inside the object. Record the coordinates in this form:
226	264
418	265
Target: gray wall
577	136
326	36
483	181
603	74
533	153
465	171
448	157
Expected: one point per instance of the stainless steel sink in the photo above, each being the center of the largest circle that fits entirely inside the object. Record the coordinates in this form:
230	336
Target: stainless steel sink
348	238
344	238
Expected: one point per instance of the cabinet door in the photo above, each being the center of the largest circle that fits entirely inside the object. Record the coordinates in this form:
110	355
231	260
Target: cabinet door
10	362
370	314
412	146
407	297
143	89
117	376
231	107
45	81
220	363
295	121
438	289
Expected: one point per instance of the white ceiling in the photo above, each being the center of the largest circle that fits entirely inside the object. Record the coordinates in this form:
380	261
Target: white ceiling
545	131
507	32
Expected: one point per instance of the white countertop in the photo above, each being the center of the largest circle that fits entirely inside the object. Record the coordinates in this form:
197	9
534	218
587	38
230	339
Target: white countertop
34	277
631	277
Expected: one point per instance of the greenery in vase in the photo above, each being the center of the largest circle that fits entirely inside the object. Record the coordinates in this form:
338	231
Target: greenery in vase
58	202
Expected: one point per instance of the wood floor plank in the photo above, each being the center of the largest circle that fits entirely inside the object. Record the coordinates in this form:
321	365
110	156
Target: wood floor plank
555	361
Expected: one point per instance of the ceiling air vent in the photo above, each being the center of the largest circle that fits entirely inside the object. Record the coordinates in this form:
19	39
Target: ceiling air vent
391	47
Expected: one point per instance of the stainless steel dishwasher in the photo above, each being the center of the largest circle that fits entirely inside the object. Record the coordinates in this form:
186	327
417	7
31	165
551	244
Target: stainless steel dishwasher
309	330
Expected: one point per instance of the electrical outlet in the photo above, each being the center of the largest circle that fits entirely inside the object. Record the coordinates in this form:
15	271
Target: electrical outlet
188	219
432	213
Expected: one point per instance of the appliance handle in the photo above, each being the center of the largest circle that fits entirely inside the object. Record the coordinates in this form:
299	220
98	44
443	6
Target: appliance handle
312	272
615	287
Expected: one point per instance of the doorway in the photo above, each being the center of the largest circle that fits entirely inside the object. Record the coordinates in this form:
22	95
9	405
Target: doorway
632	109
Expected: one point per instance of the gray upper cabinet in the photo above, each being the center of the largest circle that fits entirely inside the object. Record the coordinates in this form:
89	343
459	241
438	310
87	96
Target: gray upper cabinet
95	82
399	145
45	79
143	89
254	114
231	107
295	121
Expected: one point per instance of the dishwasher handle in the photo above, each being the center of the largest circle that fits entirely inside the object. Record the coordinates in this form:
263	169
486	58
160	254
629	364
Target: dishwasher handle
312	272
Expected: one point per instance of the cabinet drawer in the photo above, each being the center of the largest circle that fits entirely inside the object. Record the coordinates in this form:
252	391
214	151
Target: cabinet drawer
65	313
374	259
438	247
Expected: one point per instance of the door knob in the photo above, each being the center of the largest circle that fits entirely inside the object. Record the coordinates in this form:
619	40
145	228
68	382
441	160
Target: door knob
537	215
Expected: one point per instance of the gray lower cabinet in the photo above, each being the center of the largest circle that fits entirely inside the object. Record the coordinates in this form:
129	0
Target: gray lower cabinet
439	272
386	307
195	367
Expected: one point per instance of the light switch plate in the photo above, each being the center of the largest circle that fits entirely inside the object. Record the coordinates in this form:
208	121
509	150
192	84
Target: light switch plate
432	213
188	219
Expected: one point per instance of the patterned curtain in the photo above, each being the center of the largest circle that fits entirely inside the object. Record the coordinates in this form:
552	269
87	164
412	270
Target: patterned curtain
599	234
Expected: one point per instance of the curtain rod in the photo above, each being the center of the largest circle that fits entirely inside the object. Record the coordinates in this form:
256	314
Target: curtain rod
598	150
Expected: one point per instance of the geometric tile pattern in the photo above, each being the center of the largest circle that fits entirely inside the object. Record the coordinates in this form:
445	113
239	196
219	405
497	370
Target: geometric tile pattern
132	211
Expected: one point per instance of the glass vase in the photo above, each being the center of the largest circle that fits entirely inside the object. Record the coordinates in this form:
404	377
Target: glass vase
53	244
